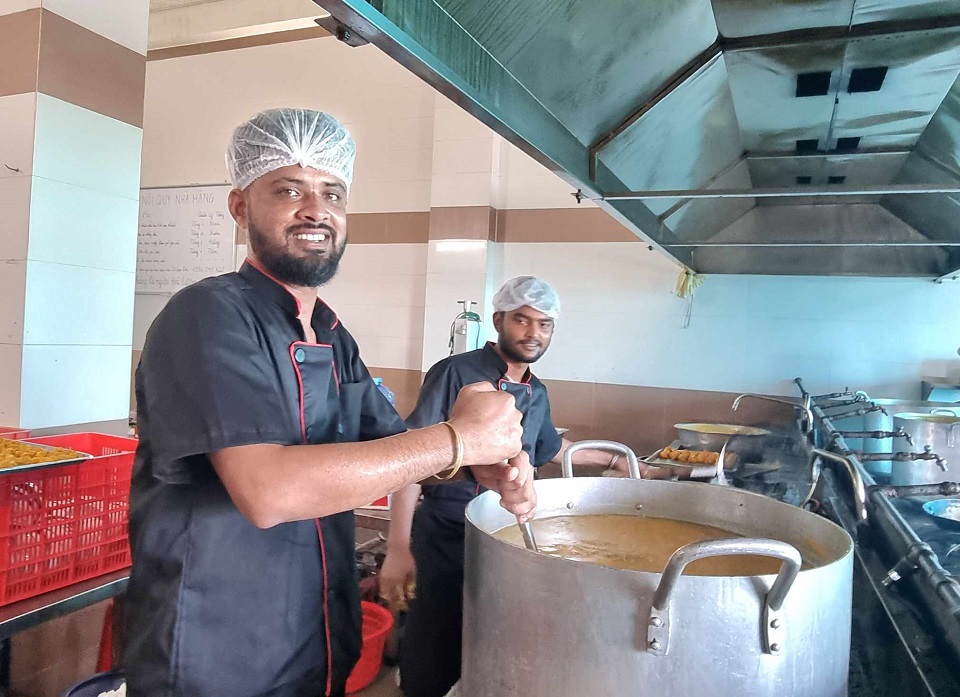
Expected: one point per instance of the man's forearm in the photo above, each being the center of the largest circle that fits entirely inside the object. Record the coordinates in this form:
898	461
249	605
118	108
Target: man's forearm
403	503
273	484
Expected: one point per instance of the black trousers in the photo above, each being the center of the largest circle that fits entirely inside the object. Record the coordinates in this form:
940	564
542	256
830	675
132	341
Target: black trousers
430	646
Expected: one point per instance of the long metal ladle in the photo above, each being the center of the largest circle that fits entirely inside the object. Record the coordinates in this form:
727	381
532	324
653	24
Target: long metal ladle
526	531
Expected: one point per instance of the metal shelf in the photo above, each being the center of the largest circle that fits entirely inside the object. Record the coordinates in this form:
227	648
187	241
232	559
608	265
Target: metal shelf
17	617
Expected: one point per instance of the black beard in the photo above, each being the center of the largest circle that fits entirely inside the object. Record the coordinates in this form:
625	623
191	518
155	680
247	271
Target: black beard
514	356
311	271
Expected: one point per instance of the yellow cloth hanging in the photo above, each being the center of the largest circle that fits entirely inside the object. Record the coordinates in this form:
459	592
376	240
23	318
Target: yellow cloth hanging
687	284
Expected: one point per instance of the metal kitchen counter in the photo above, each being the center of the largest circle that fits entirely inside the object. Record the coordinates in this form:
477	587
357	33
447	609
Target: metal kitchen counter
28	613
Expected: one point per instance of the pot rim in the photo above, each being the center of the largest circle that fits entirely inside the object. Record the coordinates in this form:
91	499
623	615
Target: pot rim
927	418
717	429
835	544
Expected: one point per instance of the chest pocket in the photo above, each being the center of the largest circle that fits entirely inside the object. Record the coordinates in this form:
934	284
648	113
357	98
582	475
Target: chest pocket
352	395
319	391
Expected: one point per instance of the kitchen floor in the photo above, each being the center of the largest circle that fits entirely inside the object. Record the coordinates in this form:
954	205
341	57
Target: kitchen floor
384	686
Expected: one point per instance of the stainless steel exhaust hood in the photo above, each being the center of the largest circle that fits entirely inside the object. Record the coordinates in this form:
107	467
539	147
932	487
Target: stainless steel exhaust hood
739	136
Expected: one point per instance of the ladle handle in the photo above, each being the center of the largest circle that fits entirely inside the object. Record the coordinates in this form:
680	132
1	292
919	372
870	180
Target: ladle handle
529	541
658	630
608	445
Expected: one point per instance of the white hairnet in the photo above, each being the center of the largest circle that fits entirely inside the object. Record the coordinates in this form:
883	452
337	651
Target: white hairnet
282	137
529	291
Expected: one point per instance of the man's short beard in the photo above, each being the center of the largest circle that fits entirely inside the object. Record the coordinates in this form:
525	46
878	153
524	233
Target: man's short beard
514	356
311	271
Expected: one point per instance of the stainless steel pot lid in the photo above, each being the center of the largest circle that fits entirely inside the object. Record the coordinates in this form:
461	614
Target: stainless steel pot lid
928	418
723	429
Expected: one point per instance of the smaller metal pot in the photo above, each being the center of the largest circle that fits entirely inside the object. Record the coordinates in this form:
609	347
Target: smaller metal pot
749	440
940	431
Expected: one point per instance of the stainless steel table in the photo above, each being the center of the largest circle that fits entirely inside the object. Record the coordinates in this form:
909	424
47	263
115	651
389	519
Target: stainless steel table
25	614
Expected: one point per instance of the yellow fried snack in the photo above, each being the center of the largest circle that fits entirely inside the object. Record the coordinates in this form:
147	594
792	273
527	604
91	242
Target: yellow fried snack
15	454
696	457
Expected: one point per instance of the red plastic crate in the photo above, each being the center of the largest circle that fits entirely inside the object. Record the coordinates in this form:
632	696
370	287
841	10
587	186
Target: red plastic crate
60	525
13	433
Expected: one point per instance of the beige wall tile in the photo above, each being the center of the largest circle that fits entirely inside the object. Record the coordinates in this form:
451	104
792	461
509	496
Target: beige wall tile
560	225
121	21
15	221
13	284
462	223
11	363
79	66
19	47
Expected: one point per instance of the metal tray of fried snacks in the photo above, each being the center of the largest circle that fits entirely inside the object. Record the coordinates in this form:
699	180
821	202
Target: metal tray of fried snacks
696	464
21	445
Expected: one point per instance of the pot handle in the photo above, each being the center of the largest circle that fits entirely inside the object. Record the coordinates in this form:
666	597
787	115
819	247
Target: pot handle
608	445
658	630
943	411
951	434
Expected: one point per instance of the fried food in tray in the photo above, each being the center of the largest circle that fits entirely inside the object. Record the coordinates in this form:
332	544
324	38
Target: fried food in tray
681	457
16	454
693	457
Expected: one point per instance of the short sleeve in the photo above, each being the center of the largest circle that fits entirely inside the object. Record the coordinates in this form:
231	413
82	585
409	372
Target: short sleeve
204	383
549	441
437	396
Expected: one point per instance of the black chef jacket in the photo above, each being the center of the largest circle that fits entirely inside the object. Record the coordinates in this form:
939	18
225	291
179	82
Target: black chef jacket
439	392
430	646
218	607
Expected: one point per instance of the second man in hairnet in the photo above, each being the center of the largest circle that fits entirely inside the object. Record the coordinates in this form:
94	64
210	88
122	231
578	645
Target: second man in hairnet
525	312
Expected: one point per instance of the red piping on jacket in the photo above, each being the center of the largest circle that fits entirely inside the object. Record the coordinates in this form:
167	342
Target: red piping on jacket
256	265
323	550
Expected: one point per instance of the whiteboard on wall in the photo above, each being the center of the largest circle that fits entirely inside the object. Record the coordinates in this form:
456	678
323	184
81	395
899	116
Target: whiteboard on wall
186	234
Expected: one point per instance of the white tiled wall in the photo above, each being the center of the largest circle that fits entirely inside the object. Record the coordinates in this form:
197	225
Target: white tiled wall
379	296
63	384
466	155
78	295
78	226
105	159
456	270
72	305
622	324
525	183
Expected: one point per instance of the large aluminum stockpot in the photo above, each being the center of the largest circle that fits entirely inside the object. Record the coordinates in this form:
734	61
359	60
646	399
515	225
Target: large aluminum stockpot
941	432
541	626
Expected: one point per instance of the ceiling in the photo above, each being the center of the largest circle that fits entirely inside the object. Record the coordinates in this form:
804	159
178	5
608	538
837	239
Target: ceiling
817	121
181	23
161	5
